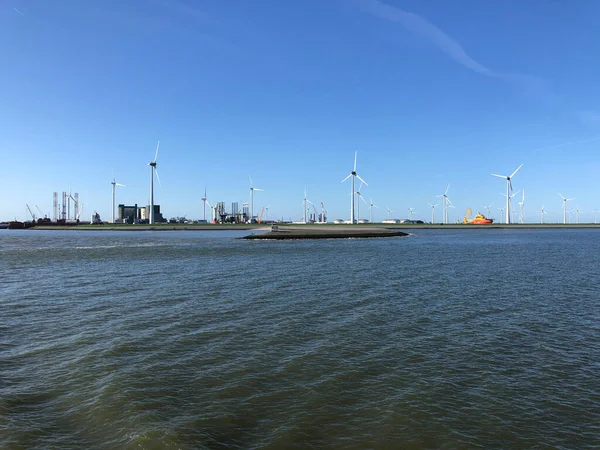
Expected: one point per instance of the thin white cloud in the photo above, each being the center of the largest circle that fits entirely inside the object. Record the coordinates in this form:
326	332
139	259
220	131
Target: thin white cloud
419	26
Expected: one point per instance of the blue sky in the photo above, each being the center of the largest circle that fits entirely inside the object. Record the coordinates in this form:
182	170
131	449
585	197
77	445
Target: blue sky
428	93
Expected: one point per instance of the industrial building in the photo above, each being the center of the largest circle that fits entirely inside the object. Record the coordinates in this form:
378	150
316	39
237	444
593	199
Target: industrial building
136	214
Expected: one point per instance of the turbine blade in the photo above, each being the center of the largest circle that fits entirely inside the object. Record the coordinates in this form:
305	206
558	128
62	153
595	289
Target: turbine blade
499	176
250	178
257	189
363	199
156	155
118	184
363	181
513	174
447	189
346	178
157	177
355	153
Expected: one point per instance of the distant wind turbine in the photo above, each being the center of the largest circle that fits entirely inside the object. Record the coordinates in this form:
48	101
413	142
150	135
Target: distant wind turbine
353	175
389	213
522	208
432	212
501	213
508	190
204	199
577	211
488	208
595	214
371	206
359	195
305	204
542	214
114	185
252	189
446	203
565	200
153	170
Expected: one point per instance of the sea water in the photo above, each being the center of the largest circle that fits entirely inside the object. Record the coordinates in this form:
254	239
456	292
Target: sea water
186	339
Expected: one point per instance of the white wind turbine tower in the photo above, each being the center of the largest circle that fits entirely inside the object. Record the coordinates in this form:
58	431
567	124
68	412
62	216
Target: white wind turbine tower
565	200
432	212
508	189
513	212
522	208
542	214
353	175
204	200
153	170
445	204
358	203
371	206
114	185
501	213
323	213
595	215
305	204
577	214
252	189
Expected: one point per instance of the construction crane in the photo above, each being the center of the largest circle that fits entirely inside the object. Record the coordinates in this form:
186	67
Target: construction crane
260	215
41	213
32	214
467	214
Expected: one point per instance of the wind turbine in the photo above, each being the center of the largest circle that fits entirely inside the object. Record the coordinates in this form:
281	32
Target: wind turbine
358	203
153	170
252	189
595	214
501	213
522	208
488	208
204	199
432	212
577	214
446	203
508	189
114	185
389	213
410	212
353	175
542	213
305	204
323	213
565	200
267	212
371	206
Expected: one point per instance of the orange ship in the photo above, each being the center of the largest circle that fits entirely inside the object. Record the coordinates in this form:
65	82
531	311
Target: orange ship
479	219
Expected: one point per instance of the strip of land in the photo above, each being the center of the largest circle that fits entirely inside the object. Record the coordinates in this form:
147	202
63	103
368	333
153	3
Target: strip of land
334	228
325	232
